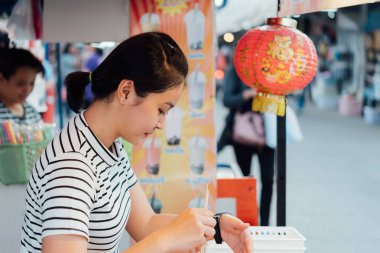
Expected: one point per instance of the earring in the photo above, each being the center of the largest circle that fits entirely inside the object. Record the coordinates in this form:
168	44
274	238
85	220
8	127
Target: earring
123	102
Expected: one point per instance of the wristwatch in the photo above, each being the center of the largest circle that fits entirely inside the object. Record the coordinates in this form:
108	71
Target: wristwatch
218	236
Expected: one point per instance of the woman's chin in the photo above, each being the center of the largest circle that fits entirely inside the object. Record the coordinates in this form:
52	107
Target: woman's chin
137	140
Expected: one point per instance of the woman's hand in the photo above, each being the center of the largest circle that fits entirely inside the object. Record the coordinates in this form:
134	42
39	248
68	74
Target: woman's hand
189	230
235	233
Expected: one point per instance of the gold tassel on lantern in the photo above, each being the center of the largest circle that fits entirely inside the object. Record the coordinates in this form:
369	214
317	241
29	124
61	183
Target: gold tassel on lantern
264	102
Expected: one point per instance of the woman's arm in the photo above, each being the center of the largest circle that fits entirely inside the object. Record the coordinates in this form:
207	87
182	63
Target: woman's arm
142	220
64	244
164	232
158	233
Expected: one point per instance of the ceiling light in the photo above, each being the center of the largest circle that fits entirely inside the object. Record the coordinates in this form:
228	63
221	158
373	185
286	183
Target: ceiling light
228	37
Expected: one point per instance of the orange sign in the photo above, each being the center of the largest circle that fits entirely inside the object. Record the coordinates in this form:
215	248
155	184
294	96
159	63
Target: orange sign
175	166
244	191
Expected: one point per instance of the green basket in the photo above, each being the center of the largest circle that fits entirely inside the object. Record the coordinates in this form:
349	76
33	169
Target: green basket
17	161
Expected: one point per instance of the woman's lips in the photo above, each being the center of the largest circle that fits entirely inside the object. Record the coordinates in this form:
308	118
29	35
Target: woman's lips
147	134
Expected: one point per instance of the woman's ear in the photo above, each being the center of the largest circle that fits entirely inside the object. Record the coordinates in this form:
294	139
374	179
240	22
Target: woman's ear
124	89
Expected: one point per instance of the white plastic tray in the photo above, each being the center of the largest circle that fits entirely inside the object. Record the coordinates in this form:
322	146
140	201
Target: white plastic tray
268	240
277	238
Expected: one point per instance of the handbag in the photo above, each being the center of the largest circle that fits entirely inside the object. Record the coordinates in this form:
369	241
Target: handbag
249	129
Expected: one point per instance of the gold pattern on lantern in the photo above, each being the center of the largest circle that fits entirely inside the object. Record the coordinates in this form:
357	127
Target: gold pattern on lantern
243	52
299	41
265	66
300	62
280	48
275	72
246	72
283	76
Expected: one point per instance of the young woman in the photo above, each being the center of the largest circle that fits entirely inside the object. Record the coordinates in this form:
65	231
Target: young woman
83	192
18	70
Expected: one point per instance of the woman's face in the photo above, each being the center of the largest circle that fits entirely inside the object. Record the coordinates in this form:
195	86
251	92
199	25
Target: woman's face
18	87
145	115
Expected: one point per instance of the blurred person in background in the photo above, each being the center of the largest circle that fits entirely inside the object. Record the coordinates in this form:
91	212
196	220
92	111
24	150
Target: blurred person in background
91	63
321	41
223	62
70	62
18	70
238	98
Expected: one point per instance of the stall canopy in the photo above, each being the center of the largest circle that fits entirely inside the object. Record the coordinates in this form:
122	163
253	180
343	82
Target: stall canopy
243	14
90	20
85	20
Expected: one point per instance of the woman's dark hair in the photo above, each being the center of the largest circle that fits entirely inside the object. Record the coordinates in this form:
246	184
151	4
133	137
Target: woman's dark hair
153	61
11	59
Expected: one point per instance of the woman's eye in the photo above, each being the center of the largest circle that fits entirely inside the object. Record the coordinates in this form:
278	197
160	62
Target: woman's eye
162	112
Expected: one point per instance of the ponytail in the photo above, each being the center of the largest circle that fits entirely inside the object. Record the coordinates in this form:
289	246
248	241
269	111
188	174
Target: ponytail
76	83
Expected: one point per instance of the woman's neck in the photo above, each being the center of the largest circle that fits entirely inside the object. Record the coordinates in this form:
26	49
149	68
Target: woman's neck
99	119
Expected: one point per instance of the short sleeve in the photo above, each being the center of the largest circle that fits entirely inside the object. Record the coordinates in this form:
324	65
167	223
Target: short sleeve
68	189
132	179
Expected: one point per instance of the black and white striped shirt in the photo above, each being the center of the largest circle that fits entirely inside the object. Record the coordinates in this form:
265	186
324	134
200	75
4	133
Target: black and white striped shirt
30	116
78	187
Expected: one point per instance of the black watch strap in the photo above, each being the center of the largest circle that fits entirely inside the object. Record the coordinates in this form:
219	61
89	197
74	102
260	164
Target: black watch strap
218	236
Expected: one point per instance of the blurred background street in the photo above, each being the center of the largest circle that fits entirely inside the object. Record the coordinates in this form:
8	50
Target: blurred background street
333	180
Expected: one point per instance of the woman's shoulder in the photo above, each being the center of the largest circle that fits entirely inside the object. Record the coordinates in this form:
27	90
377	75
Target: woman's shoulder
69	161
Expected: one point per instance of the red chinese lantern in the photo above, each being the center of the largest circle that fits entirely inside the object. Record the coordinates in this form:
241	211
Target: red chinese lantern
275	59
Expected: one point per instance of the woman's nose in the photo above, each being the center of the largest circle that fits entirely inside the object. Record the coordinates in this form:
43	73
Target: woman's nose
161	122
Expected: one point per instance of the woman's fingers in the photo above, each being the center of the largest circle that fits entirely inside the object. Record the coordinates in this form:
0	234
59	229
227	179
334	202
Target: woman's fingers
208	221
209	232
248	240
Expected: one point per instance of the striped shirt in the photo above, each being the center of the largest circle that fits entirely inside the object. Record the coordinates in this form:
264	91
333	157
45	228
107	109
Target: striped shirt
78	187
30	116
